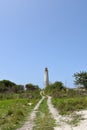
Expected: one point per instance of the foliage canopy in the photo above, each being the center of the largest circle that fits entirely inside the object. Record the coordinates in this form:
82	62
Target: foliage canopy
81	78
9	86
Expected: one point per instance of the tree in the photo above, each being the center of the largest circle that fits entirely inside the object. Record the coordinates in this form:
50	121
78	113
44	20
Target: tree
81	78
18	88
32	87
3	88
58	85
9	86
6	85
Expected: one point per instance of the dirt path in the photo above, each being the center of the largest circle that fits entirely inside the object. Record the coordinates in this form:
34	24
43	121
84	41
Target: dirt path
30	122
59	124
61	121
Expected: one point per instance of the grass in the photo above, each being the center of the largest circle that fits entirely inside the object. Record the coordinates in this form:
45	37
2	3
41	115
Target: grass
44	120
14	112
69	105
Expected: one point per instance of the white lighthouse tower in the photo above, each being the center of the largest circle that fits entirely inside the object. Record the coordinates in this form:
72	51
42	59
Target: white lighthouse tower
46	77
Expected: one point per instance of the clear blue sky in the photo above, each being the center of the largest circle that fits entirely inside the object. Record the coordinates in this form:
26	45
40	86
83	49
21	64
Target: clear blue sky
35	34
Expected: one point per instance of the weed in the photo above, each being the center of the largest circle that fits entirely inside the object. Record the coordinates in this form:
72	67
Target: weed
75	119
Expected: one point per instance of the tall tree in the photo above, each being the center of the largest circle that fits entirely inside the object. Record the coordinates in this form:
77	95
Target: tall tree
81	78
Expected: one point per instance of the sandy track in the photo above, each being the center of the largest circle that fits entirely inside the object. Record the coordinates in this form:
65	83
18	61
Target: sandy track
83	123
30	122
60	124
57	117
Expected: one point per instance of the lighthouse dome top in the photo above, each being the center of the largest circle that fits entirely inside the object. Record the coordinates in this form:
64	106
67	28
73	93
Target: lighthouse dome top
46	69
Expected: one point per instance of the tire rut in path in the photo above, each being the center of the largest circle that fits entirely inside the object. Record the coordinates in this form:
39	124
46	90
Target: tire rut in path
29	124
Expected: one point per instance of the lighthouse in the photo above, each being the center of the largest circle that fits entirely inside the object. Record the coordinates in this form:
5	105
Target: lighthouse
46	78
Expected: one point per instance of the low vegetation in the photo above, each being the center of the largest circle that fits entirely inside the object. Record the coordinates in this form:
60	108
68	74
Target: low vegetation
67	100
69	105
43	120
16	103
75	119
13	112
